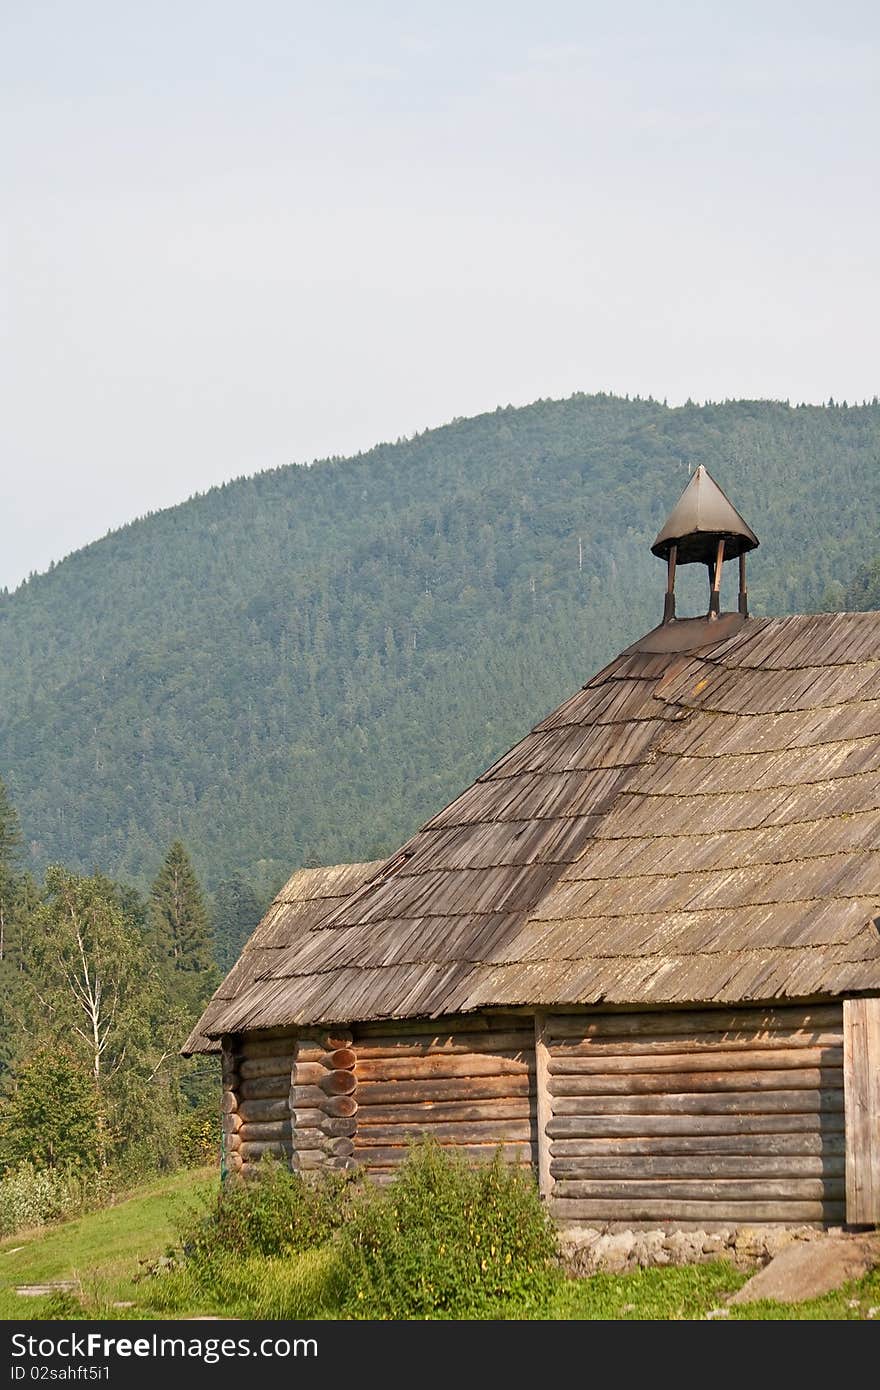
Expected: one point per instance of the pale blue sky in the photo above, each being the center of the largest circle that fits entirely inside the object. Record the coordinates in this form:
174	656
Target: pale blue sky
237	235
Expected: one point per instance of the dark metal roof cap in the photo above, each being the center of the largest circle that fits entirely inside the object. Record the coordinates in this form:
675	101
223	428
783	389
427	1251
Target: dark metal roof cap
700	517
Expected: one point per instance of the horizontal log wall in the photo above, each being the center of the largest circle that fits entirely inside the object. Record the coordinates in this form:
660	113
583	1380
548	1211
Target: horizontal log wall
469	1083
323	1102
264	1066
231	1163
702	1117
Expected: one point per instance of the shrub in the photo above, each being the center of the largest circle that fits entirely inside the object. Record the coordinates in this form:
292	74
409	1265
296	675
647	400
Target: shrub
443	1241
198	1139
274	1213
447	1241
31	1196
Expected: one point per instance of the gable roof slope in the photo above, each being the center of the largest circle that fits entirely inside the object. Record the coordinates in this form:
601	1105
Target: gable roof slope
693	825
307	897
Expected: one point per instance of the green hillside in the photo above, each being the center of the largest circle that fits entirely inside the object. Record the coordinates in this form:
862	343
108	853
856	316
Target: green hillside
300	666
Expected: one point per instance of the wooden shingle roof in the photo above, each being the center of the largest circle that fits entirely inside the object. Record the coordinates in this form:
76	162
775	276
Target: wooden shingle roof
306	899
699	823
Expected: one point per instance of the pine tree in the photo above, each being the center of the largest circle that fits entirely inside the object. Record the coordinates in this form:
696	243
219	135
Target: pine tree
10	848
237	910
180	927
863	592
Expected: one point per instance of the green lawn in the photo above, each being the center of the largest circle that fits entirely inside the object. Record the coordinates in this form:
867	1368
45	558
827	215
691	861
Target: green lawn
693	1291
100	1251
102	1254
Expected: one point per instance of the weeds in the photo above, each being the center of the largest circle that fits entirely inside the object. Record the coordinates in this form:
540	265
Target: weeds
447	1241
444	1241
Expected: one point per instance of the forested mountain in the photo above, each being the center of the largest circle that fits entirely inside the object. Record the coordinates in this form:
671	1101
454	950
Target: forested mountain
300	666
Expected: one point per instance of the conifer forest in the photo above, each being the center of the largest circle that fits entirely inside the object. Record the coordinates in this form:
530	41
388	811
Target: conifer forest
301	666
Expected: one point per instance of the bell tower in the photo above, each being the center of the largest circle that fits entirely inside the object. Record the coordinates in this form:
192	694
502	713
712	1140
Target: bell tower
704	528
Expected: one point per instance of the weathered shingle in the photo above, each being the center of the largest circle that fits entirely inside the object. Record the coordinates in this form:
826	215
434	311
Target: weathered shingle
696	825
306	899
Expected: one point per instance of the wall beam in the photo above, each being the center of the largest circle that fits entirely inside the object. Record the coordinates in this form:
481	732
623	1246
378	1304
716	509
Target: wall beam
861	1082
543	1104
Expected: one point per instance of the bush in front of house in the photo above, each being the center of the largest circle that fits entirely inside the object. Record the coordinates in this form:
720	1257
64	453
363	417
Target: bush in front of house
261	1248
275	1213
446	1240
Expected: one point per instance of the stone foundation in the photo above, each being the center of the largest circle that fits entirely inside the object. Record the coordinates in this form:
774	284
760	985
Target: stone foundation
588	1251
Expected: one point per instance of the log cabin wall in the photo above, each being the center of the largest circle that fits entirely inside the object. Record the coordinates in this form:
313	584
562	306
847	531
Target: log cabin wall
322	1100
289	1097
700	1118
264	1063
231	1160
467	1082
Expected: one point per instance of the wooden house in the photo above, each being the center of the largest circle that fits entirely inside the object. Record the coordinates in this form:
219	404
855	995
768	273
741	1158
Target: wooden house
641	952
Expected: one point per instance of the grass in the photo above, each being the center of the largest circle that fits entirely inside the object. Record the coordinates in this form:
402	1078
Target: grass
694	1290
102	1253
303	1287
667	1294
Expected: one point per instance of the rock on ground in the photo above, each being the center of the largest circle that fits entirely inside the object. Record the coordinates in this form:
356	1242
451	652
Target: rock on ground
807	1270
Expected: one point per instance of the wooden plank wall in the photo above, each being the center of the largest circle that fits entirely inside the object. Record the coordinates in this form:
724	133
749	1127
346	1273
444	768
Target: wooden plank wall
698	1118
467	1082
861	1050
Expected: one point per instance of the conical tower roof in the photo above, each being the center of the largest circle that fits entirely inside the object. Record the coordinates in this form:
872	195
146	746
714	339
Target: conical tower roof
700	517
